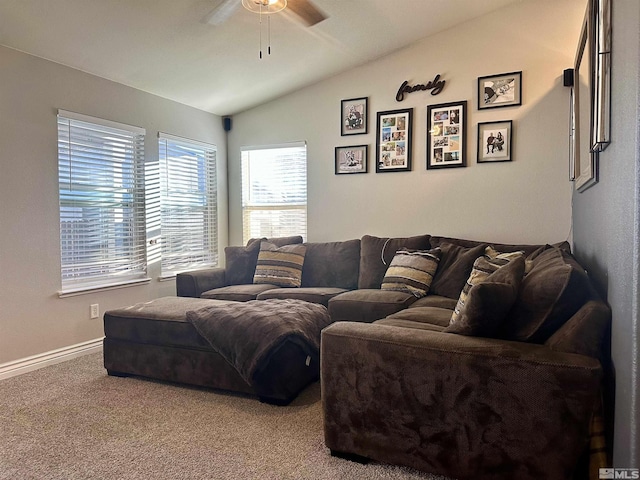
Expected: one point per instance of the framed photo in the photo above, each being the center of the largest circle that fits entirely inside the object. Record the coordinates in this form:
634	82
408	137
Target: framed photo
393	147
446	135
354	115
502	90
352	159
494	141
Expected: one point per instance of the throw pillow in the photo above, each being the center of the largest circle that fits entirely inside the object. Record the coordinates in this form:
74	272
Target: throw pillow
280	266
491	252
483	267
488	302
240	263
377	252
555	288
412	271
454	268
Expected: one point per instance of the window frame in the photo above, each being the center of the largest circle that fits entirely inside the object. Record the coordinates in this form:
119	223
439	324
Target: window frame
122	204
210	194
248	206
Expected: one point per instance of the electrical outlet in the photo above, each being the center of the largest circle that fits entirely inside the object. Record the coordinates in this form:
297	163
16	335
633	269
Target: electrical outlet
95	310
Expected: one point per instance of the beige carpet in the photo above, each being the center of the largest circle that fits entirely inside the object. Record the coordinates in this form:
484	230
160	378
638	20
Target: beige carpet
72	421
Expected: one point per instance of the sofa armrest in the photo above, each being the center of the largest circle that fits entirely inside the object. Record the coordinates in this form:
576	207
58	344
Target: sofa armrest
458	406
585	331
194	283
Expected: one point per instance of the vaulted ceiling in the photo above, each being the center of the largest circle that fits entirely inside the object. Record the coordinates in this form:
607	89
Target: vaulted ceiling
166	47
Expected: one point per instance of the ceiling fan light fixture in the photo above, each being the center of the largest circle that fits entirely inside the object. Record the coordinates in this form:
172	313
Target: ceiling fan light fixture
264	6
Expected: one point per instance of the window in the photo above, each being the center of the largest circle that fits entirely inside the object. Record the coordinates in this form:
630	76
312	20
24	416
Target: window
102	202
274	191
188	204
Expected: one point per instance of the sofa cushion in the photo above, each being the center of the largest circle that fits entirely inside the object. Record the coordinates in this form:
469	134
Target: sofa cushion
238	293
332	264
162	321
367	305
555	288
279	241
433	315
281	266
488	302
376	253
455	266
483	267
398	322
240	263
412	271
436	241
320	295
435	301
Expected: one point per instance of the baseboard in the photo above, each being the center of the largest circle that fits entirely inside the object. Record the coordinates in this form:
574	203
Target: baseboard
29	364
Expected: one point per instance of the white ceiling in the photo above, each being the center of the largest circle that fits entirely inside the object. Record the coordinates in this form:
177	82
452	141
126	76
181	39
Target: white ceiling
166	48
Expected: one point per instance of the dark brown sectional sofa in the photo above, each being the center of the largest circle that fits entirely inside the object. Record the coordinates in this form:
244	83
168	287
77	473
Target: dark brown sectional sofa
398	387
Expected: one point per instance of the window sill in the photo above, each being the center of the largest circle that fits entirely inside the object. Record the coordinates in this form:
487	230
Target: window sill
72	292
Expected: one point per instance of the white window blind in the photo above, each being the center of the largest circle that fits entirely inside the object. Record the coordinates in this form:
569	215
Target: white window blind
102	203
274	191
188	204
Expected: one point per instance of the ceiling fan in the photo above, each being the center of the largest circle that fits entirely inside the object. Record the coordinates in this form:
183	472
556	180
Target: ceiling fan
305	10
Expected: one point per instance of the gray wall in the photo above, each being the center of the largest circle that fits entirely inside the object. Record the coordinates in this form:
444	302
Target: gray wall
526	200
605	223
33	320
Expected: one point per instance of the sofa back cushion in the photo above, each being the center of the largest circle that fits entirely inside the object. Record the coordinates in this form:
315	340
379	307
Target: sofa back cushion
281	266
376	254
279	241
332	264
555	288
455	266
501	247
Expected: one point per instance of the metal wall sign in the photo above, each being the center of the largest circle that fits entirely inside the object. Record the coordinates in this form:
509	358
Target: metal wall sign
436	85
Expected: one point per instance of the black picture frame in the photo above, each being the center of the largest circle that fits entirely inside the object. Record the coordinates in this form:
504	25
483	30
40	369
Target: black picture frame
500	90
354	116
393	142
446	135
495	141
352	159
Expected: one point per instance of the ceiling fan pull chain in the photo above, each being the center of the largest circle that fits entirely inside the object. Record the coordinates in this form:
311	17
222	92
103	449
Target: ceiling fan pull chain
260	31
269	34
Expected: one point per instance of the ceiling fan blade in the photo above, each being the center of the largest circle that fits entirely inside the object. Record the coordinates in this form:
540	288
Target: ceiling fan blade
307	11
222	12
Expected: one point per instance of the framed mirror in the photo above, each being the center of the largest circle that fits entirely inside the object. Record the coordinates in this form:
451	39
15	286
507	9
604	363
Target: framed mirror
602	80
590	95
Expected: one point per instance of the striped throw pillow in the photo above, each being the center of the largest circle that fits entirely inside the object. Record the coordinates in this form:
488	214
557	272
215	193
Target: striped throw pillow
482	268
412	271
280	266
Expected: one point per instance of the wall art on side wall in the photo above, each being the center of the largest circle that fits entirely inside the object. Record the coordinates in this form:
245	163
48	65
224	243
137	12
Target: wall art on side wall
393	147
354	115
501	90
590	107
352	159
494	141
446	135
